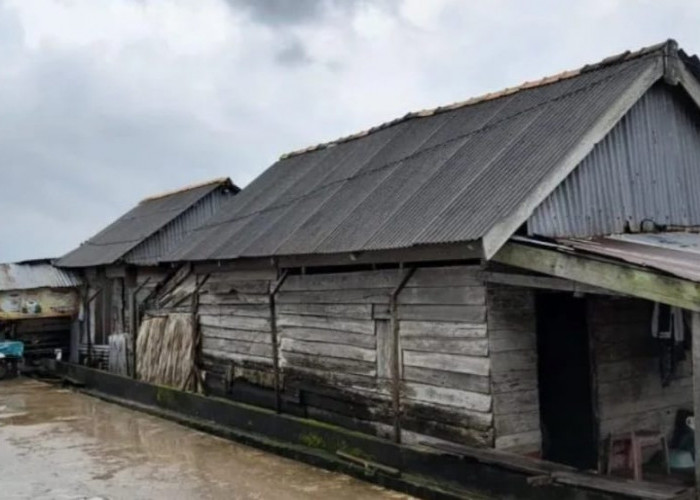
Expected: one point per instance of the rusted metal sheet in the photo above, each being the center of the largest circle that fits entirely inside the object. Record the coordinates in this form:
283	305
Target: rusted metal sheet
37	274
675	253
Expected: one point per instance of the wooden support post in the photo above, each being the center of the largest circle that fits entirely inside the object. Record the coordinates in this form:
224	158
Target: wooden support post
696	394
396	353
275	343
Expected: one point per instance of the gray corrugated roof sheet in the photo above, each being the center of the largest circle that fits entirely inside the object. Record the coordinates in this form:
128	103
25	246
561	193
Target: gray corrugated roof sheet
137	225
447	175
36	274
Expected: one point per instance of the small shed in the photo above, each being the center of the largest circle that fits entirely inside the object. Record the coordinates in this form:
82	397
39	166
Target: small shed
39	305
121	265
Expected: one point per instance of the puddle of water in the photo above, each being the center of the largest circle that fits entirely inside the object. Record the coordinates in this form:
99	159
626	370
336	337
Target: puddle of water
56	444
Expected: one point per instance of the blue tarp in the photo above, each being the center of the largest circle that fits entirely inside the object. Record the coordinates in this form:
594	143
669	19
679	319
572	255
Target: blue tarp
12	348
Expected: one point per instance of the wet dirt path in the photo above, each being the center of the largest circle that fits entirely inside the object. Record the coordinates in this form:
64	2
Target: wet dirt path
58	444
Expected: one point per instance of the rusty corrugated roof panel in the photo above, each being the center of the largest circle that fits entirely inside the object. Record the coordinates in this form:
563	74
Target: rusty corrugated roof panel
460	172
25	276
676	253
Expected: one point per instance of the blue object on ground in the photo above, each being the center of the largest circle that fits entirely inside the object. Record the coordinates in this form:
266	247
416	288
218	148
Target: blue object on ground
12	348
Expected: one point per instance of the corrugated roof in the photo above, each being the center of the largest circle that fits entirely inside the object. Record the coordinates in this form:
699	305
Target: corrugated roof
134	227
35	274
676	253
441	176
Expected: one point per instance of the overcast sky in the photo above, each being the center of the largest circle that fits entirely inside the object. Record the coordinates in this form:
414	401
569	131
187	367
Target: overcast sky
105	102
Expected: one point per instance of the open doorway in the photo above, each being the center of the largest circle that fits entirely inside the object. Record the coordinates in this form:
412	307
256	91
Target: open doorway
569	430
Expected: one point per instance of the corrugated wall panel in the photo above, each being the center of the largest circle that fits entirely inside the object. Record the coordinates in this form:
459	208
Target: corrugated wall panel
164	241
648	168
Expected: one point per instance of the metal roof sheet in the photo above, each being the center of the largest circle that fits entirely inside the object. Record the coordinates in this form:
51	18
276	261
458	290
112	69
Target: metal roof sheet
25	276
443	176
138	224
676	253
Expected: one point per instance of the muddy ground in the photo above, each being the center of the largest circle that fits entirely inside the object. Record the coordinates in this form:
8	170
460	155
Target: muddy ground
58	444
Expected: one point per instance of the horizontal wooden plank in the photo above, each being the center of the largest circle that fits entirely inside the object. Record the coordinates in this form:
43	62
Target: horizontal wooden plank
503	341
618	276
327	364
453	433
449	313
447	397
235	357
328	336
349	296
243	275
339	324
230	334
449	362
515	402
351	311
637	368
530	438
332	350
442	329
453	295
514	380
516	423
248	310
213	299
236	322
517	320
385	278
442	378
447	414
240	347
470	347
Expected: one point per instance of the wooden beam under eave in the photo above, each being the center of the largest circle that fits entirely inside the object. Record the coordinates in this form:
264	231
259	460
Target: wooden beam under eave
616	276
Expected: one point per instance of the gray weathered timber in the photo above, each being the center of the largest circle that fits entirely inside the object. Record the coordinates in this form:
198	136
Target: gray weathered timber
236	322
450	362
442	329
212	298
468	347
384	348
331	364
339	324
231	334
234	346
332	350
349	311
630	394
238	310
328	336
442	378
449	313
228	356
448	397
616	276
513	353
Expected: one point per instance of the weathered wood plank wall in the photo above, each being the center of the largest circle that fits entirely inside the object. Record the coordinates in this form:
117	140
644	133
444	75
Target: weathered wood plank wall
630	393
335	347
513	347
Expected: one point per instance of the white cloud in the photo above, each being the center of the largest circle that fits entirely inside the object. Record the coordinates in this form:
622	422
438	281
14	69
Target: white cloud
106	102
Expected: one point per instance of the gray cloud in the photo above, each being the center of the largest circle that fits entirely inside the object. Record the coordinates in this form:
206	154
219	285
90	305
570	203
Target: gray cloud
104	107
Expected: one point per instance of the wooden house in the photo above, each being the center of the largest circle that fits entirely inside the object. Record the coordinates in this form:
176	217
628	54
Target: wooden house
122	264
484	274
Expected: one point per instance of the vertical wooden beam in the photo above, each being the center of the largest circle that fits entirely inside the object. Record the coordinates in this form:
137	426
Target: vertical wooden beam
275	343
396	353
696	394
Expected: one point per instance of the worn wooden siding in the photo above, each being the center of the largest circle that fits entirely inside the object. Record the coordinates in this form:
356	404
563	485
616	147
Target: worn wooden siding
513	346
630	394
335	341
234	321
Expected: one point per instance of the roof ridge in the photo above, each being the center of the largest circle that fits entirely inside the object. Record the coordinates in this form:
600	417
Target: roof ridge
189	187
669	44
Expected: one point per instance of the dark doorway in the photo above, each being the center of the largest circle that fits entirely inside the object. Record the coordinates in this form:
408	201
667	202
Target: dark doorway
569	433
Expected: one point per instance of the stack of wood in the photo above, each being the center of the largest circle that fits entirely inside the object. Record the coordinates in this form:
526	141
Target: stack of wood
165	351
